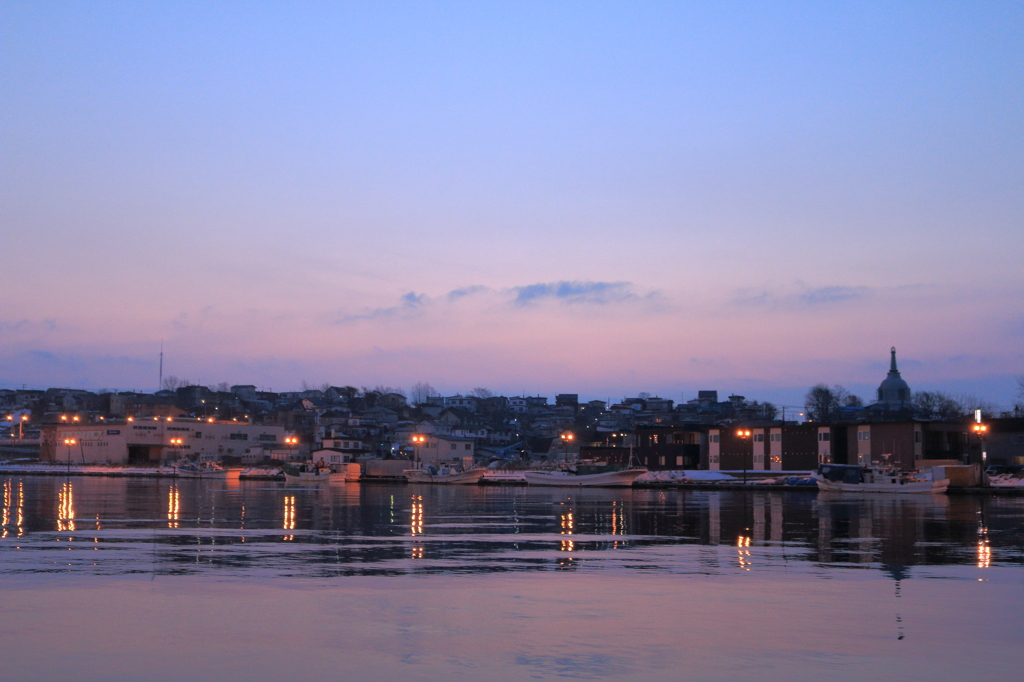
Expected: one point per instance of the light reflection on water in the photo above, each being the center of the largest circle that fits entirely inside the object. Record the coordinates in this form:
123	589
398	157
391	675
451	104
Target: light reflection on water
195	526
244	580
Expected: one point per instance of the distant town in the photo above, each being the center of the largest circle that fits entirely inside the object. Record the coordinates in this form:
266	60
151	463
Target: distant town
341	424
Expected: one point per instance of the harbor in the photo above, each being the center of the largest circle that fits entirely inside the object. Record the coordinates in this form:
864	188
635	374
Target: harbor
409	572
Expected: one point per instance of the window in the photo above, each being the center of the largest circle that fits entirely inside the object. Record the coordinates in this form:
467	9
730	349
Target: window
863	435
679	460
268	438
335	459
917	436
239	436
825	437
758	437
713	438
776	438
197	434
661	460
1017	440
468	447
453	446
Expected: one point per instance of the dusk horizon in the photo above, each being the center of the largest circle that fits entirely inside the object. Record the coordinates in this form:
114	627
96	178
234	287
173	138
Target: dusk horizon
652	341
531	199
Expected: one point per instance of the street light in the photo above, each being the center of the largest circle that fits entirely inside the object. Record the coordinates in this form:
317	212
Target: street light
981	430
567	438
418	440
69	442
743	435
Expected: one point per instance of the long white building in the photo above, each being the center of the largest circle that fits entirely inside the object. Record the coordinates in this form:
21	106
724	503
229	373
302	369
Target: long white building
150	441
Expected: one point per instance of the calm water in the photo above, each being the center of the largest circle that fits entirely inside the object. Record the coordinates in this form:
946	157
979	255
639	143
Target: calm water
148	579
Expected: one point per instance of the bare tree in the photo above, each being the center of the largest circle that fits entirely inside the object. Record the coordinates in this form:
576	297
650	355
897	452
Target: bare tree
171	383
324	386
938	405
384	390
481	393
421	390
970	403
222	387
822	402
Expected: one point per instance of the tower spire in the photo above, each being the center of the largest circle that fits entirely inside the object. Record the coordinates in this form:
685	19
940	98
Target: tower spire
892	365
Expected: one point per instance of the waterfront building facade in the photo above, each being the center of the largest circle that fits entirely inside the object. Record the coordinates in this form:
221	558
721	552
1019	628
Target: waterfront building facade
151	441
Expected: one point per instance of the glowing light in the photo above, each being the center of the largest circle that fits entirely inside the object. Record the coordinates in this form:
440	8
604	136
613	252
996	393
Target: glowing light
173	506
416	516
66	508
984	554
289	513
742	549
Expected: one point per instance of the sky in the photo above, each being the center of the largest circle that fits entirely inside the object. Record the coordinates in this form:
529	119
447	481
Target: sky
596	198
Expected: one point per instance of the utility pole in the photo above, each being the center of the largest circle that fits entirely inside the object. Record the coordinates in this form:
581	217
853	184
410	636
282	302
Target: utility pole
161	384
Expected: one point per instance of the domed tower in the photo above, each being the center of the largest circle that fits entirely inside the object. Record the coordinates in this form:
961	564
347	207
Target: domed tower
893	392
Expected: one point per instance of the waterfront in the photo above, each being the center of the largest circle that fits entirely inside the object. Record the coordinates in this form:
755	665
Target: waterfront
154	579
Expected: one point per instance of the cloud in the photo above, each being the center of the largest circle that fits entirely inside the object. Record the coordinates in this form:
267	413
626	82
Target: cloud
804	298
826	295
456	294
27	325
599	293
410	304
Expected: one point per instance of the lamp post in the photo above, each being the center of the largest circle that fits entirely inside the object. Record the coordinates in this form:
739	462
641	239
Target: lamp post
567	438
744	436
981	430
176	444
69	442
292	442
418	440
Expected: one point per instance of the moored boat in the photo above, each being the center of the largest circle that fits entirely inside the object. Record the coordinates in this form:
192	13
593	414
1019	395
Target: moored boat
306	473
850	478
262	474
194	470
503	477
621	478
445	474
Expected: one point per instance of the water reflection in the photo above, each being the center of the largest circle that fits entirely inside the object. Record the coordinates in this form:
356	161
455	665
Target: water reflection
377	529
173	506
289	516
416	516
743	549
13	510
66	507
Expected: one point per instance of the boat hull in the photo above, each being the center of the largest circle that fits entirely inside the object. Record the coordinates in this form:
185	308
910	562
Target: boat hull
912	487
607	479
504	478
470	477
308	477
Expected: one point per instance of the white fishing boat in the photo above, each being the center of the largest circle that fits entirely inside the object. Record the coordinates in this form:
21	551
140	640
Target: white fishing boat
262	474
306	473
445	474
622	478
194	470
503	477
849	478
